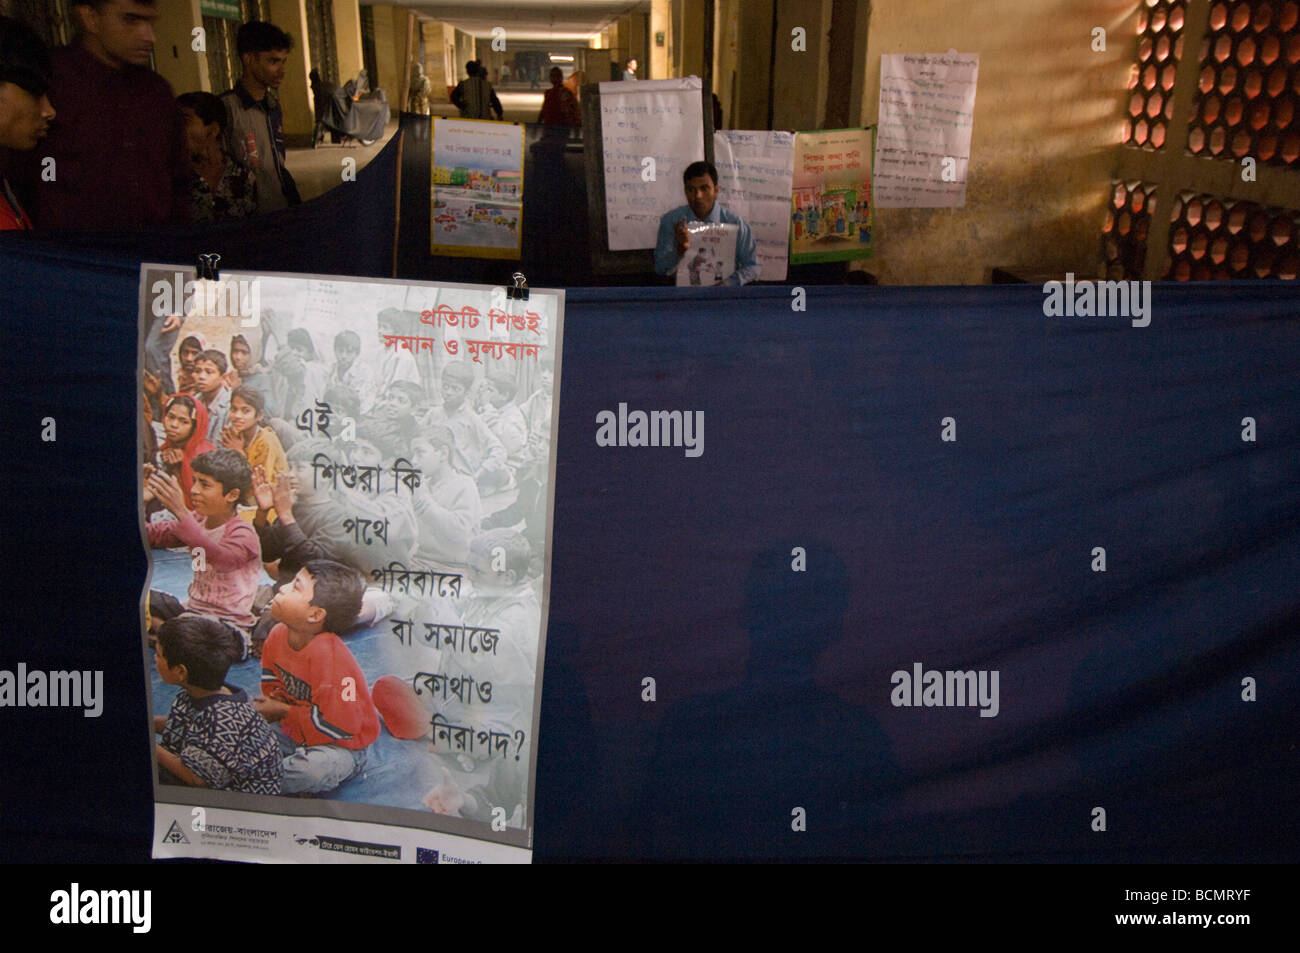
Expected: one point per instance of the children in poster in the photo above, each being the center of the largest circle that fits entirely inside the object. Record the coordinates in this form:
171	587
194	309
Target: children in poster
391	623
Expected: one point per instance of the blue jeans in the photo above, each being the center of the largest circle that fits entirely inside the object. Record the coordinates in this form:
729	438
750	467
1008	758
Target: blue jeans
315	769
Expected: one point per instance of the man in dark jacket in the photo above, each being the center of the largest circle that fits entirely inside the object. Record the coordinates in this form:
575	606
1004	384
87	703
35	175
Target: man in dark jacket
255	132
474	97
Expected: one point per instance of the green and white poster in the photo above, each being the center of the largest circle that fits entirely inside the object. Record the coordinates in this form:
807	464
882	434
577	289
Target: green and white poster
830	203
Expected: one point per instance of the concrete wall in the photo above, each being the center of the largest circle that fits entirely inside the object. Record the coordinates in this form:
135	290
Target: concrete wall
294	93
638	43
660	63
1044	140
174	56
453	68
748	109
347	39
726	56
394	76
386	56
800	75
492	59
617	47
435	58
464	53
689	46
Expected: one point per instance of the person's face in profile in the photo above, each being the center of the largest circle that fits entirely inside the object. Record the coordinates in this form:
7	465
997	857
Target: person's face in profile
428	457
701	193
267	67
24	118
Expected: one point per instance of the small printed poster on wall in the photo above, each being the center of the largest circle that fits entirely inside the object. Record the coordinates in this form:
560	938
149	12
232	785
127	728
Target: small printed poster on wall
830	203
711	257
478	188
346	495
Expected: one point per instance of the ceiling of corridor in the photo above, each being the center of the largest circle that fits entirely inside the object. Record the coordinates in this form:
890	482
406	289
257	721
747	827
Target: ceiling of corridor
545	20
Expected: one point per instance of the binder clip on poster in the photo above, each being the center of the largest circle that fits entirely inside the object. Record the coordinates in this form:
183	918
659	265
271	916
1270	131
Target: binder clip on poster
208	267
520	291
215	297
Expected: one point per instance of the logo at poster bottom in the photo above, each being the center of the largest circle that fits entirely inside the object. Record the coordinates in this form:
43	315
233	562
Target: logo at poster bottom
359	848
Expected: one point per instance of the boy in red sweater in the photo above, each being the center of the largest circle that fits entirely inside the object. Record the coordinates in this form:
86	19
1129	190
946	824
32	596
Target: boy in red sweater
312	685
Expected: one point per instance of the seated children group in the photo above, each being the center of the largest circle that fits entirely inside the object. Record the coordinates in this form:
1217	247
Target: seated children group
220	446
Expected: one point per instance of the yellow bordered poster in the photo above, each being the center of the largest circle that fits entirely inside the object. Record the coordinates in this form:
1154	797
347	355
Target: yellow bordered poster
477	188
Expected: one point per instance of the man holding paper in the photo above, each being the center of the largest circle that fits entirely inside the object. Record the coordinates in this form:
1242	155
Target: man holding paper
701	182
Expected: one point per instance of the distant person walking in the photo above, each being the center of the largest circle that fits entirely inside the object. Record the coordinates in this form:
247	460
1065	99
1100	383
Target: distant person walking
559	106
474	97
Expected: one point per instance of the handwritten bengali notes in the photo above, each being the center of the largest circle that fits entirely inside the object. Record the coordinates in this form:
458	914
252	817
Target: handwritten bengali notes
650	119
754	175
927	105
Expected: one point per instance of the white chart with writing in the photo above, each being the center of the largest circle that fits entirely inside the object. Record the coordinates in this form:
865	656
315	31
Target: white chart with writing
755	168
651	131
927	105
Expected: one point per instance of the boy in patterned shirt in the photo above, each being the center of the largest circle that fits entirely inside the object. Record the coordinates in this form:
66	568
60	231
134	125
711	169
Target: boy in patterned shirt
212	737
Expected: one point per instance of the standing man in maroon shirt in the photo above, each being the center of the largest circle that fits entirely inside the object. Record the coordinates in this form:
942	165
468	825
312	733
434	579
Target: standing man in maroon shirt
118	143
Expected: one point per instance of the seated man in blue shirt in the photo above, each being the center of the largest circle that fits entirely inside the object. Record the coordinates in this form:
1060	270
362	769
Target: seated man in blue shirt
701	180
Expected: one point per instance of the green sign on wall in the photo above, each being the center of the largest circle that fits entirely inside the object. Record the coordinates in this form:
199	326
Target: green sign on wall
225	9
